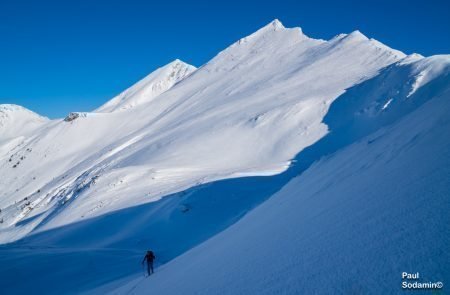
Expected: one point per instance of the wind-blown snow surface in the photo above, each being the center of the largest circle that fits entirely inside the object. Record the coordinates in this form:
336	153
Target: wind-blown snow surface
96	183
351	224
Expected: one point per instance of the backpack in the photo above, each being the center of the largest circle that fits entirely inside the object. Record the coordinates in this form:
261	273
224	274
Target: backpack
150	256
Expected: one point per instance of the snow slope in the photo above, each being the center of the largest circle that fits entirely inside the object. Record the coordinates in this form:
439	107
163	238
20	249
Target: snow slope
16	121
150	87
169	171
350	224
379	182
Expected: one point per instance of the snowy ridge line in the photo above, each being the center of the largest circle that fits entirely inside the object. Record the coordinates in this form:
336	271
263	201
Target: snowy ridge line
149	87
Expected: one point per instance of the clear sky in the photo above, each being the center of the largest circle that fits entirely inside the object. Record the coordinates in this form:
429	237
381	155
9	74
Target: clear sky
62	56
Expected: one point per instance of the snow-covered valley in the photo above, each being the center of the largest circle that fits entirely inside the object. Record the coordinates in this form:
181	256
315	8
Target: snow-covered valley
314	153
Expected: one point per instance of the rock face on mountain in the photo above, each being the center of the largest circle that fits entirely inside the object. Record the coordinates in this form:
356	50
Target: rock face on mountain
185	153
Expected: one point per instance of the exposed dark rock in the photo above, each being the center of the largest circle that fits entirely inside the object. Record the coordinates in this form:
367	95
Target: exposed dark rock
71	117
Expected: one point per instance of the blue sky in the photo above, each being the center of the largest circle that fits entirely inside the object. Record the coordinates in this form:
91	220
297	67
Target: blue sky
62	56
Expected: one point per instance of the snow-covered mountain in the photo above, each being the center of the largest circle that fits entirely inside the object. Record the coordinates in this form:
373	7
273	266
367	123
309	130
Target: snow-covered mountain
150	87
16	121
248	111
196	151
374	206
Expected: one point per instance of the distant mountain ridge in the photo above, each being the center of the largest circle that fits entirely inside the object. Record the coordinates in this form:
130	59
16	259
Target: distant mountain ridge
16	121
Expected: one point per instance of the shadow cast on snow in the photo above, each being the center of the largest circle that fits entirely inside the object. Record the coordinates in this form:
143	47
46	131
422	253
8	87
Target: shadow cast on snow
89	253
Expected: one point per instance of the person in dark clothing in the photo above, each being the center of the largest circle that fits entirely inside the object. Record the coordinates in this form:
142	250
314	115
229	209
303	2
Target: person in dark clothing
149	257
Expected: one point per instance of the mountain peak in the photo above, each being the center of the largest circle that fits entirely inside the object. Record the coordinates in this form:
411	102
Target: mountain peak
273	26
157	82
276	24
175	62
10	109
173	66
16	120
357	35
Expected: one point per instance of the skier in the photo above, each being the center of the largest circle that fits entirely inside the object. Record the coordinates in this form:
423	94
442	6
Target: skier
149	257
